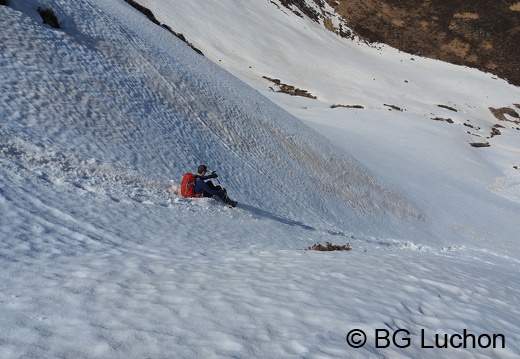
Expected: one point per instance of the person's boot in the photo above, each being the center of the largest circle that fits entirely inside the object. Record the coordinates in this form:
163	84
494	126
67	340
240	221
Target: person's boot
224	197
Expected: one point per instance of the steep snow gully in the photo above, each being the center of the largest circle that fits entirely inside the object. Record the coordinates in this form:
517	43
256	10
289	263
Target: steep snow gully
165	108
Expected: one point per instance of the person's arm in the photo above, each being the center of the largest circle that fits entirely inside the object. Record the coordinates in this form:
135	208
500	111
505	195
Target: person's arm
206	177
203	186
211	191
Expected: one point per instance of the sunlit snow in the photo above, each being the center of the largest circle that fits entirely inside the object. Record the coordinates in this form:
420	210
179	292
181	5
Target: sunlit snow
100	258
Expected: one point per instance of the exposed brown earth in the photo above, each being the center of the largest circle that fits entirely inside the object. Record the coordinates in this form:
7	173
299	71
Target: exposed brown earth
289	89
483	34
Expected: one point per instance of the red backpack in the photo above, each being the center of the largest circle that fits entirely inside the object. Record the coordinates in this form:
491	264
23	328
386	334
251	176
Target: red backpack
188	185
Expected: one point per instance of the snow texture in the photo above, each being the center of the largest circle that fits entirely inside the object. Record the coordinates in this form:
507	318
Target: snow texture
100	258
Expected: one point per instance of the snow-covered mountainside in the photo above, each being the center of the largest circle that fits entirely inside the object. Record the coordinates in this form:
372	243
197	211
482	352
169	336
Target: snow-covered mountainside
409	120
100	118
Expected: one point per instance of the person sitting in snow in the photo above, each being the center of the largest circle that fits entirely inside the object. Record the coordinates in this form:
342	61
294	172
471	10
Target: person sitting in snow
207	188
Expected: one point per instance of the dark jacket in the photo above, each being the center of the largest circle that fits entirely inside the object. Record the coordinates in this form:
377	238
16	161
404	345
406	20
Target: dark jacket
204	188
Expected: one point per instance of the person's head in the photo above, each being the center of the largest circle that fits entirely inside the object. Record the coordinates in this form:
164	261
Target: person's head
202	169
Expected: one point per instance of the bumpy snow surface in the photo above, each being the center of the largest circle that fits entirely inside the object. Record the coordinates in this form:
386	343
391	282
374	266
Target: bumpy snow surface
101	258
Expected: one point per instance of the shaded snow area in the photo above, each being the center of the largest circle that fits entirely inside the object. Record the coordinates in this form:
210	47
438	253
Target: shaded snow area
101	258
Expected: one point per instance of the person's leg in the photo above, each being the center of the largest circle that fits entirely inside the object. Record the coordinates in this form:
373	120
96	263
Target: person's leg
224	197
212	186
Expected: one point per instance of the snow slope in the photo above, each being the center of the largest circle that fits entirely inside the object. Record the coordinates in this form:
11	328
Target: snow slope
100	259
417	155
